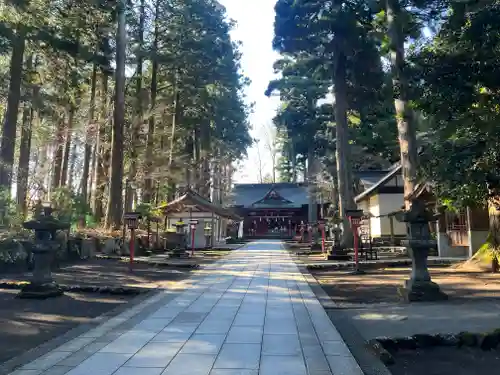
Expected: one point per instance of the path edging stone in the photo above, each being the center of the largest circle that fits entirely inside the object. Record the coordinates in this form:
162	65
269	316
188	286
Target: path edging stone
378	264
104	289
369	363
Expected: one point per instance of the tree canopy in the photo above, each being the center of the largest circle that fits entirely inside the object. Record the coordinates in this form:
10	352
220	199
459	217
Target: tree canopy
68	68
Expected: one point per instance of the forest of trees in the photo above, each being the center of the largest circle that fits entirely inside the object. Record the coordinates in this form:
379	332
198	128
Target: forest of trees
400	72
115	103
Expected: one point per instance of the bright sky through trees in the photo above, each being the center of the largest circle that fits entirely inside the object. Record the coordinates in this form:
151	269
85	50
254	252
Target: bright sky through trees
255	30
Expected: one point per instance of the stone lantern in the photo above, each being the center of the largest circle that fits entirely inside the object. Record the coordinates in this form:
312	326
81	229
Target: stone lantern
418	243
179	227
207	230
336	252
180	249
45	247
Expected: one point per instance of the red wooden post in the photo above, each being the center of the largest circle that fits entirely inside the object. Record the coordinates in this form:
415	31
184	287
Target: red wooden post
355	222
321	225
131	219
323	239
132	247
193	231
356	250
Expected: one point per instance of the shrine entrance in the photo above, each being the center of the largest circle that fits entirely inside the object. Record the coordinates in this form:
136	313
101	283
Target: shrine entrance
272	210
275	224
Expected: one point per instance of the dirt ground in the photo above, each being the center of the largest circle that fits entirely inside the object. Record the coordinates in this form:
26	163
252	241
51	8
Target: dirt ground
111	272
381	285
372	303
446	361
25	324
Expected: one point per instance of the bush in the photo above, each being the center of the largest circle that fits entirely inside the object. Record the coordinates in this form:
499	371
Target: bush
10	216
12	251
71	207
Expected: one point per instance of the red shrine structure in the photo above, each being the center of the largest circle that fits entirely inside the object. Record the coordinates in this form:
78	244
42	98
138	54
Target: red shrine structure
273	210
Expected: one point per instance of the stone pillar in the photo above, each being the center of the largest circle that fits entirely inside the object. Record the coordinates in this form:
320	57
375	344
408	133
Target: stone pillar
419	287
42	285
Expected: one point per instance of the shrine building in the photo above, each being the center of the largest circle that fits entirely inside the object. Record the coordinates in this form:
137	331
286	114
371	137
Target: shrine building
273	210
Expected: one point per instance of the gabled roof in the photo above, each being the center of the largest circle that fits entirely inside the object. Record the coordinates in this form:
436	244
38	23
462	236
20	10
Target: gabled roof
368	178
395	170
272	197
293	195
190	198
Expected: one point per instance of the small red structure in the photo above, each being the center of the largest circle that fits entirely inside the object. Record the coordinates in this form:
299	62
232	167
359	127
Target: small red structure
302	230
355	221
193	224
131	220
321	226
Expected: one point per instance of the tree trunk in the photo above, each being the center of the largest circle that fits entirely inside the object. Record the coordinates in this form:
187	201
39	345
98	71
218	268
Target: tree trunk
148	183
67	148
58	155
92	172
344	174
72	166
189	151
196	160
103	155
9	129
42	174
205	160
89	138
175	120
114	214
311	186
137	126
24	158
406	126
25	146
259	166
176	110
215	172
273	159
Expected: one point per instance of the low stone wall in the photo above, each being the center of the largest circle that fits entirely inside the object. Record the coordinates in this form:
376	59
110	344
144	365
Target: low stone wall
383	346
17	285
373	264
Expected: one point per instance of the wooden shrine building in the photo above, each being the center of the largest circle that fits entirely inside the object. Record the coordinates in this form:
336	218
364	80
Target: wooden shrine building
211	219
272	210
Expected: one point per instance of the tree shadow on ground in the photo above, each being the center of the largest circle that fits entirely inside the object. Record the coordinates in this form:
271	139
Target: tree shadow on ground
380	286
25	324
446	361
109	272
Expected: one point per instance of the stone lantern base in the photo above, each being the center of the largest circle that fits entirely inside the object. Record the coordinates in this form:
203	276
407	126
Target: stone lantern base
40	291
337	253
178	253
421	291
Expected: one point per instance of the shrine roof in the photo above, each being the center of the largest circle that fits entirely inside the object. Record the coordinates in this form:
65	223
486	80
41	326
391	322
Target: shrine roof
190	200
284	194
383	178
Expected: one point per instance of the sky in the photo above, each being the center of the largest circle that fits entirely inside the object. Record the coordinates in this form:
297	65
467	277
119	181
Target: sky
255	19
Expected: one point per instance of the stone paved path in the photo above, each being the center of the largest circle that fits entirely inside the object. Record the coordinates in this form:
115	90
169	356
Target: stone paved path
251	313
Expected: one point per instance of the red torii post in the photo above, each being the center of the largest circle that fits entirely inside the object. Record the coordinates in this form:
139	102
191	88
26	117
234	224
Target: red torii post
355	221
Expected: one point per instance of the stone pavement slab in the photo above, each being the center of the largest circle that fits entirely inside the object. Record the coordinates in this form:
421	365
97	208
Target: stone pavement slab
251	313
